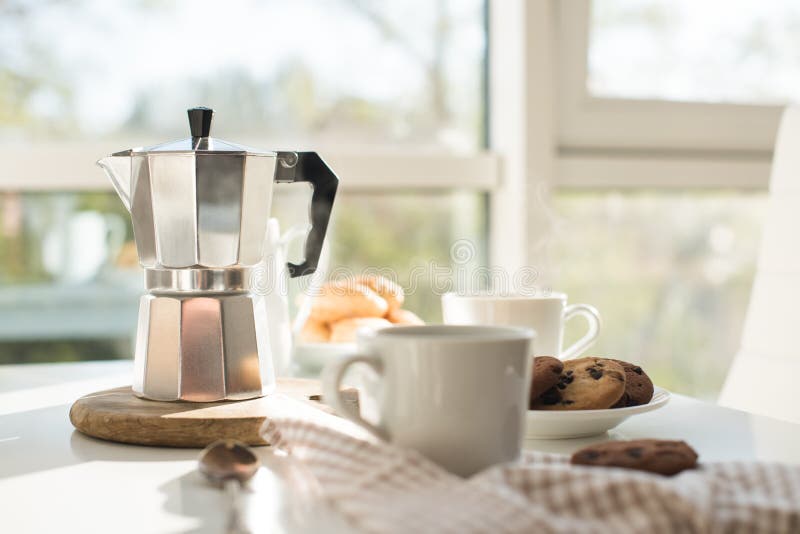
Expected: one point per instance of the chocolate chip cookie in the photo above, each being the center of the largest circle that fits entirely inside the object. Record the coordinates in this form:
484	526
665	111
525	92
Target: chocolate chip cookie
651	455
585	384
546	372
638	386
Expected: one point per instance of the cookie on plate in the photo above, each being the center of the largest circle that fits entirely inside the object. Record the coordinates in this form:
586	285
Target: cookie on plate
586	384
652	455
549	398
638	386
546	372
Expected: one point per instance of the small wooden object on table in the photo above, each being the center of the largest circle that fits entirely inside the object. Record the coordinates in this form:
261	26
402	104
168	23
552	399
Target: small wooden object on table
118	415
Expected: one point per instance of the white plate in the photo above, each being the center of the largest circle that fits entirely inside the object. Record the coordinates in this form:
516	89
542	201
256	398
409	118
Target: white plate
312	357
563	424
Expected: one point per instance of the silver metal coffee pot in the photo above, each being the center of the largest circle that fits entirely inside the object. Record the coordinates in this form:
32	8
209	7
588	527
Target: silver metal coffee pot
200	208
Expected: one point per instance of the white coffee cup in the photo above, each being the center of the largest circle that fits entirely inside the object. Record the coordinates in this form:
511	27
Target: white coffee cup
457	394
75	250
546	314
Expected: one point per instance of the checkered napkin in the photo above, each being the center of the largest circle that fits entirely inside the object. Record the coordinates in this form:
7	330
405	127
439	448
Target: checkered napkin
381	488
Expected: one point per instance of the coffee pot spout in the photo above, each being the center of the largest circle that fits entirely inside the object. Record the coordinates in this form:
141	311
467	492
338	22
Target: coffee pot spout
118	169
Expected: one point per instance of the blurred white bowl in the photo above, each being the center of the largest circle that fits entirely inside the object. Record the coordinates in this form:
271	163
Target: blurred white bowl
312	357
564	424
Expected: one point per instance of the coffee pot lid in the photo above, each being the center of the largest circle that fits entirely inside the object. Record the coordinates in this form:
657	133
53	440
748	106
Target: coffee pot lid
200	141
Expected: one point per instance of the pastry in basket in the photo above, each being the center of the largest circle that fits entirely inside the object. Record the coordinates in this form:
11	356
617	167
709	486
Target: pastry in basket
347	305
404	317
346	298
345	330
314	331
391	292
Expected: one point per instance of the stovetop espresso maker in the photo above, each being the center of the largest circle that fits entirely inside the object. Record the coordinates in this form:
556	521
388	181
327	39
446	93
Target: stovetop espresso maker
200	208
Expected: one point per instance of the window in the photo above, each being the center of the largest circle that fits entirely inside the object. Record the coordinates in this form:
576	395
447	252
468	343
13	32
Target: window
397	109
735	51
632	177
665	122
595	114
126	71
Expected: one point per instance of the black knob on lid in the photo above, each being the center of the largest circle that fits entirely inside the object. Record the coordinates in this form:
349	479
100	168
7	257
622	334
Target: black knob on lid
200	121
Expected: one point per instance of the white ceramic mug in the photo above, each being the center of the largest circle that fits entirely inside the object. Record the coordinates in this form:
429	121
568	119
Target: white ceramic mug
546	314
457	394
75	250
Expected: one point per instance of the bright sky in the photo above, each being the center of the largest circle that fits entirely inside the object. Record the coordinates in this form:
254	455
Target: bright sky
111	50
710	50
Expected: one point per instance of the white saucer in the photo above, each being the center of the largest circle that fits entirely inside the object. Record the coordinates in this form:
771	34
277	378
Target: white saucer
564	424
312	357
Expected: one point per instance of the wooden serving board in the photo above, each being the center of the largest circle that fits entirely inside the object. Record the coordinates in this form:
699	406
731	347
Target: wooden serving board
118	415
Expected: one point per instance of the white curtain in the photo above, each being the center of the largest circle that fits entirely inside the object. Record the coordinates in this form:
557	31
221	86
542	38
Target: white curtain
765	376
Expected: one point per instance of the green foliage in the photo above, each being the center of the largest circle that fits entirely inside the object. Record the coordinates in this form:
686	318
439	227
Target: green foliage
669	272
60	351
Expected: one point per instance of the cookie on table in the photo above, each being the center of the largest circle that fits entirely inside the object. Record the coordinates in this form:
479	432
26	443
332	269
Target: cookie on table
586	384
638	386
652	455
546	372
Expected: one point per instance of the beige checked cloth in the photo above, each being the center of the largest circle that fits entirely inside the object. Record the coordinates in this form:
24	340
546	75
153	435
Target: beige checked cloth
381	488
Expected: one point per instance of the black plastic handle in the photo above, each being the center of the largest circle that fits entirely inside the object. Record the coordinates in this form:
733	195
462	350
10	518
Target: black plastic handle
309	167
200	121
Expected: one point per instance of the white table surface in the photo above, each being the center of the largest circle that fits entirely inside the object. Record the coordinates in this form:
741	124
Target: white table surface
54	479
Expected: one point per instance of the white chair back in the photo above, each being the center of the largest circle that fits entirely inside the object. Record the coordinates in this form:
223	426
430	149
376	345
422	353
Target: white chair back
765	373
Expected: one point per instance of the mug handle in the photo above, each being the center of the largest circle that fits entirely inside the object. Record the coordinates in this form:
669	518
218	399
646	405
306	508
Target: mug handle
331	394
592	318
116	233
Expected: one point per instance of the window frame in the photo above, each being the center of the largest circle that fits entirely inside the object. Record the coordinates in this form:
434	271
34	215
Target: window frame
552	135
64	166
609	142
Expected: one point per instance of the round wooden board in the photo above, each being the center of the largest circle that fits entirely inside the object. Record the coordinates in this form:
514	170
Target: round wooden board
118	415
